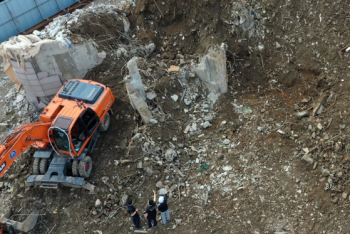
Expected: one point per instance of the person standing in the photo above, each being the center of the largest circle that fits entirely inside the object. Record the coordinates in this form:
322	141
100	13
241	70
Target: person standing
163	207
151	212
134	213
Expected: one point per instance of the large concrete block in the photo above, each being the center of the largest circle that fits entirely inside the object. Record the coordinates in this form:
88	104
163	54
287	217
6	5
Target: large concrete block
212	70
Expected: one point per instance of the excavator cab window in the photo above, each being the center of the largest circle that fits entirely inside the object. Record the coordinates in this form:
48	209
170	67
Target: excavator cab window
83	128
78	136
89	120
61	139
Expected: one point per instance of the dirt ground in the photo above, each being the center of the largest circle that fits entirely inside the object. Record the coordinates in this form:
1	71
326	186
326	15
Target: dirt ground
277	173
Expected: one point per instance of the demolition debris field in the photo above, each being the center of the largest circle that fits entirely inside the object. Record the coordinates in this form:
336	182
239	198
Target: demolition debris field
261	165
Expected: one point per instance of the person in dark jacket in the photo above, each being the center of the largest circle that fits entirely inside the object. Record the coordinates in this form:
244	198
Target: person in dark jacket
163	207
134	213
151	212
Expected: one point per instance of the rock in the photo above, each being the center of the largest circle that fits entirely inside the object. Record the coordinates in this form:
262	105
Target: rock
308	159
313	135
153	121
170	154
325	172
151	95
19	98
139	165
150	48
124	199
226	142
206	124
104	179
102	55
148	170
337	147
1	185
193	127
159	184
278	45
344	195
161	71
227	168
223	122
211	118
296	107
335	200
320	110
98	203
175	97
187	101
302	114
319	126
339	174
168	55
122	51
161	191
297	181
123	144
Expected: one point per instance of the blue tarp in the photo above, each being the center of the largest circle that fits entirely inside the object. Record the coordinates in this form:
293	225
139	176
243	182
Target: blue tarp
16	16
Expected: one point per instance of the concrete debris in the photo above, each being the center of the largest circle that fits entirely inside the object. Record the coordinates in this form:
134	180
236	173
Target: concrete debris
246	18
102	55
325	172
227	168
124	199
153	121
98	203
212	70
151	95
170	154
320	103
302	114
308	158
206	124
175	97
133	81
60	28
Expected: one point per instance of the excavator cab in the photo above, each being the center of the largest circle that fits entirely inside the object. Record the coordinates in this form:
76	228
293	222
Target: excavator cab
72	138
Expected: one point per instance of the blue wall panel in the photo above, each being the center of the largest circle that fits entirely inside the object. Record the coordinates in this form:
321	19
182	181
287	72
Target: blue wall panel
19	15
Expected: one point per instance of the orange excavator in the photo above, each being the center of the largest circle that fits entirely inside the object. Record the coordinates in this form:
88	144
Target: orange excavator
67	133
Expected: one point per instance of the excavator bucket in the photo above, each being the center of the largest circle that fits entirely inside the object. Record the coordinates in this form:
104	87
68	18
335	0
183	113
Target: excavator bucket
24	226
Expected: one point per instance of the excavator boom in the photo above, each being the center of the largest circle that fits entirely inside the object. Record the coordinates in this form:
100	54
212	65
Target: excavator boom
34	134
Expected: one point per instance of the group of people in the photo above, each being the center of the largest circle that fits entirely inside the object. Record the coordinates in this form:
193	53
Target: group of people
151	211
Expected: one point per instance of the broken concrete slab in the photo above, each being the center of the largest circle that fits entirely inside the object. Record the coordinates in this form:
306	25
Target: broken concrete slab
138	102
212	69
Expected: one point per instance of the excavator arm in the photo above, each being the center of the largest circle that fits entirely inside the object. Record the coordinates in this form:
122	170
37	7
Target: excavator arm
34	134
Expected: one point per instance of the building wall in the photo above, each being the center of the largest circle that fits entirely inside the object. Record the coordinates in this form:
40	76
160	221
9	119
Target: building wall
16	16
